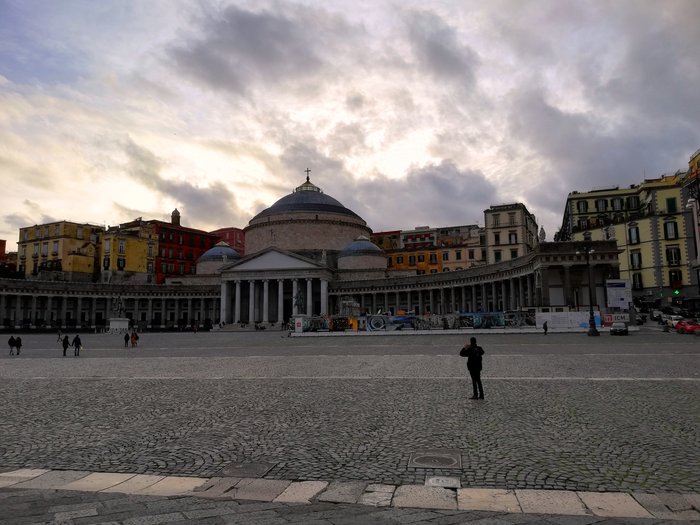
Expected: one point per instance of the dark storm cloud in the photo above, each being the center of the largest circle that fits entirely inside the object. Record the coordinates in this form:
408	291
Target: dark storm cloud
213	204
437	49
239	46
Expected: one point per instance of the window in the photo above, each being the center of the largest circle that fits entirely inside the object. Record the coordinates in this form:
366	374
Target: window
421	258
583	223
122	247
458	255
170	253
617	204
471	254
171	237
121	263
512	238
171	267
150	250
105	262
389	261
79	233
37	232
46	230
162	252
180	255
180	242
163	267
496	220
601	204
675	278
23	251
45	249
25	235
36	250
670	230
483	255
433	270
182	266
445	256
411	260
497	238
671	205
673	256
511	219
399	259
637	281
633	202
149	267
55	248
108	246
497	255
433	258
633	234
636	260
513	254
582	206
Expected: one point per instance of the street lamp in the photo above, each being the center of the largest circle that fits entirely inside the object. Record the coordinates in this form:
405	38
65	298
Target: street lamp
588	250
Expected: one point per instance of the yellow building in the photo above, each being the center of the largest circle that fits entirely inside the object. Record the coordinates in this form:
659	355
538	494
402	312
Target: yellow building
59	251
128	252
652	228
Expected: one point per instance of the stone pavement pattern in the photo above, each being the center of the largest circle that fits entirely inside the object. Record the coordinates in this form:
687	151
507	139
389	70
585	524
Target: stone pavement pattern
46	496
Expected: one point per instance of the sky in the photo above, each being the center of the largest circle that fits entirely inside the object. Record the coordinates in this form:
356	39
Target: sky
410	113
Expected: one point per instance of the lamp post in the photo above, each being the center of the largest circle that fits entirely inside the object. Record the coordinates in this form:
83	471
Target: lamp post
588	250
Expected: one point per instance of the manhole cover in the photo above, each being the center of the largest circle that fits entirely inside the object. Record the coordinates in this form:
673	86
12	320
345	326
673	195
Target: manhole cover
436	458
246	470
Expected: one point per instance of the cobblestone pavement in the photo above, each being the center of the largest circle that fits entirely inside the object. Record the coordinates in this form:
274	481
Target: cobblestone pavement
562	412
64	507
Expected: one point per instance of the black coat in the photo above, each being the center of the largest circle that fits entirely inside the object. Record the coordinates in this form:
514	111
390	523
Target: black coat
473	355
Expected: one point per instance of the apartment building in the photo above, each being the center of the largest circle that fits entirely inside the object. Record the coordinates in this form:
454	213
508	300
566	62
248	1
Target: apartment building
60	251
511	232
653	229
128	252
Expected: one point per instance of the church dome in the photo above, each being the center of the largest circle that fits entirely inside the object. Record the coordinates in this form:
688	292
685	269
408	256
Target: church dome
361	246
220	252
306	198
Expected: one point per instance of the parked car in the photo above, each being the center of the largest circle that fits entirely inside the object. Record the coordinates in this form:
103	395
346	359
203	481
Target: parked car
619	329
687	326
672	320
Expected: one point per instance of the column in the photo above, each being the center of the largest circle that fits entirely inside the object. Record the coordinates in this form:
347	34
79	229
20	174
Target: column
430	301
237	304
2	309
309	297
521	293
280	300
149	314
64	309
136	310
251	302
18	312
386	303
266	302
421	309
455	307
295	293
464	299
79	313
177	312
190	321
163	311
511	296
398	303
443	307
568	299
32	319
503	295
200	321
374	303
324	297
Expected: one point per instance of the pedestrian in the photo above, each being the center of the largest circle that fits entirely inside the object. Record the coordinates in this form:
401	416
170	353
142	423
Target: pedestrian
66	344
18	344
134	339
11	341
77	345
473	353
60	335
126	340
544	327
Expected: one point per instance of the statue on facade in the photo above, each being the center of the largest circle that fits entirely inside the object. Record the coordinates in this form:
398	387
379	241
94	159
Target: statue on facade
298	301
118	307
542	235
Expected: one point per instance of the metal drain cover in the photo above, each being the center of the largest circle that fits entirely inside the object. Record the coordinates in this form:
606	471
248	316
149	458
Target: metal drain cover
246	470
436	458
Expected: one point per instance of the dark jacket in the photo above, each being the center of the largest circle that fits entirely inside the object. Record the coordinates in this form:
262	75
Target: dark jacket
76	341
473	355
66	343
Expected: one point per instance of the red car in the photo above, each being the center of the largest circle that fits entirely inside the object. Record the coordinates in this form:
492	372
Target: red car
687	326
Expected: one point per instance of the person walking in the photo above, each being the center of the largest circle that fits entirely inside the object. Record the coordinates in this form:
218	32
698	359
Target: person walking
11	341
473	353
544	327
60	335
18	344
77	345
66	344
126	340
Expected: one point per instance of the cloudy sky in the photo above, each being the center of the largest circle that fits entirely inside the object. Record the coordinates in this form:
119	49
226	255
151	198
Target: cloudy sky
408	112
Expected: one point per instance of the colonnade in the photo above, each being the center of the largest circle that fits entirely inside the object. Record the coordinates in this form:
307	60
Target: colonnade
73	310
272	300
513	293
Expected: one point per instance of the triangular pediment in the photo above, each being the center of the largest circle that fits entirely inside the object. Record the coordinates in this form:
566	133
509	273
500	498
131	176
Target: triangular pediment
272	259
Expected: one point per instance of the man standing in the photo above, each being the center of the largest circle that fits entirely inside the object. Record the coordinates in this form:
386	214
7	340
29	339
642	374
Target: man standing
473	353
76	345
545	327
11	342
65	344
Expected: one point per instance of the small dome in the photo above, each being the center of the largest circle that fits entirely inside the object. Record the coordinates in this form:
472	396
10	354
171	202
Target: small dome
221	252
361	246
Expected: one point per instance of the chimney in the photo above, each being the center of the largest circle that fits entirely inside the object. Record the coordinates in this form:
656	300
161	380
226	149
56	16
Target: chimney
175	217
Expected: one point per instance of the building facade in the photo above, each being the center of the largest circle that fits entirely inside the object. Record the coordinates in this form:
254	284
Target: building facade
652	227
128	253
234	237
511	232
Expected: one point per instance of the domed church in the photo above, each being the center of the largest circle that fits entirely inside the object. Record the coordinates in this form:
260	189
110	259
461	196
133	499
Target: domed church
296	247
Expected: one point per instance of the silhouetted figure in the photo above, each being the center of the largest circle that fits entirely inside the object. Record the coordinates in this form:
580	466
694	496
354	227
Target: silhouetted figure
66	344
545	327
473	353
126	340
11	341
18	344
60	335
77	345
